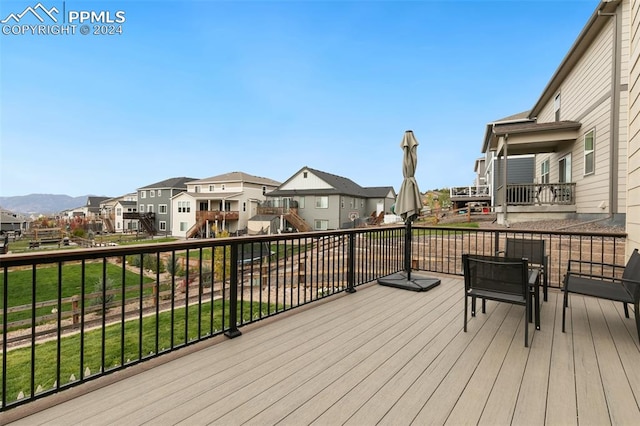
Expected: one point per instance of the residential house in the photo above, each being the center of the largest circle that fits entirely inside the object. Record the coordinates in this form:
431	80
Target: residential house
577	130
633	165
154	205
12	222
120	224
315	200
223	202
108	211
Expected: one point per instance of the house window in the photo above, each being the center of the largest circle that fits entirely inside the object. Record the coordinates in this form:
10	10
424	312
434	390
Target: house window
589	153
301	202
143	194
159	192
264	190
152	193
183	226
322	202
244	207
304	175
197	188
556	107
342	202
184	206
544	171
321	225
212	188
141	208
162	209
222	186
564	169
118	211
162	225
150	208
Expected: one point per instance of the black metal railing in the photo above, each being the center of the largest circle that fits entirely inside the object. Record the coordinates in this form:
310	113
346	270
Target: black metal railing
72	316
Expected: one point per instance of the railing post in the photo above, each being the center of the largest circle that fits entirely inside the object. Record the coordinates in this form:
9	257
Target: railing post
75	309
351	264
233	294
496	242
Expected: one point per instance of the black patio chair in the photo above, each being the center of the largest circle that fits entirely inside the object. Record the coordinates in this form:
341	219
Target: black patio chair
500	279
625	289
535	252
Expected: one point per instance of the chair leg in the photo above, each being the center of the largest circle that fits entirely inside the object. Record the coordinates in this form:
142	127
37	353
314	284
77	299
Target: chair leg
637	312
545	284
526	323
626	310
565	303
473	306
484	306
466	307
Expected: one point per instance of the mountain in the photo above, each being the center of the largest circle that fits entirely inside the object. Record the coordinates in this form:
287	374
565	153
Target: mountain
41	203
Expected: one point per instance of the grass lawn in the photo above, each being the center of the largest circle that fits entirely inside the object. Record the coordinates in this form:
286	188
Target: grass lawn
208	322
20	288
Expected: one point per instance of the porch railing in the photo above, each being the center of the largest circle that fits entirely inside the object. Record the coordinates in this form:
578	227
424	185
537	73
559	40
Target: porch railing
530	194
470	191
71	316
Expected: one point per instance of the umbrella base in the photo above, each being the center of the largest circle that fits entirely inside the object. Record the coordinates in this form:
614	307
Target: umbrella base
418	282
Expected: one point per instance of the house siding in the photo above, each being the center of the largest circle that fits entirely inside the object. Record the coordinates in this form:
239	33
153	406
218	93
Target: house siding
633	194
586	96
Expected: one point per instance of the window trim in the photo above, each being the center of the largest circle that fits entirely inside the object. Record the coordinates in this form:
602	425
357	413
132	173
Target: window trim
592	151
544	174
320	204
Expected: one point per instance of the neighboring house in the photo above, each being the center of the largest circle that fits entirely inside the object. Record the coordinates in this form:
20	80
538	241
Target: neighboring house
223	202
633	179
154	205
120	224
91	209
577	130
316	200
12	222
108	211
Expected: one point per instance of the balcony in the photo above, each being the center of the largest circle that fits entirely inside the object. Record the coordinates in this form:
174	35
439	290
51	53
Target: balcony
535	201
315	338
213	215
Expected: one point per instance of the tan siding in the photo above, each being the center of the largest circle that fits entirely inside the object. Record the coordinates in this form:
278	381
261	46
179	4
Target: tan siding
633	202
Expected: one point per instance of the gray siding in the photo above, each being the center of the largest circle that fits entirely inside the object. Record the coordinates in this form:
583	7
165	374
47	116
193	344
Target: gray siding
519	170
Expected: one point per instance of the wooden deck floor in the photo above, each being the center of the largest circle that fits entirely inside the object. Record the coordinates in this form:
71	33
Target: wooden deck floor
392	357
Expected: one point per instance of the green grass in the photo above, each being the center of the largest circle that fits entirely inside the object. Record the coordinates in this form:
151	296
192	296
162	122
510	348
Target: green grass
20	291
19	360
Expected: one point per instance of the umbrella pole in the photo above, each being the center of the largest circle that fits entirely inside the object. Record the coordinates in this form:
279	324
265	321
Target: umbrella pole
407	249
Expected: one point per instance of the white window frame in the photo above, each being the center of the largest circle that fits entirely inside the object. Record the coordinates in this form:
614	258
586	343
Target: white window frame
143	194
544	171
320	224
183	226
556	107
567	169
162	209
301	203
159	192
152	193
212	188
322	202
162	225
589	152
141	208
197	189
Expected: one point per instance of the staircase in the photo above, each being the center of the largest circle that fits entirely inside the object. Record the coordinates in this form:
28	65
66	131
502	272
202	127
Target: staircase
108	224
297	222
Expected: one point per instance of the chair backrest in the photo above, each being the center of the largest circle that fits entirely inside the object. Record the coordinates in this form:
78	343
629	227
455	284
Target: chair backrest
632	272
530	249
496	274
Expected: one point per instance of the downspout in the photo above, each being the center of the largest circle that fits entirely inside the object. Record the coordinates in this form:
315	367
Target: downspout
504	180
614	122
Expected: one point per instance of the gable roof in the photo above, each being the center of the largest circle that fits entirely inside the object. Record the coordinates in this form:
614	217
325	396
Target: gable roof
339	186
176	182
237	177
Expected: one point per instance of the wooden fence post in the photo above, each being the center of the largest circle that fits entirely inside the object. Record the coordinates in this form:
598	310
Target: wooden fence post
75	309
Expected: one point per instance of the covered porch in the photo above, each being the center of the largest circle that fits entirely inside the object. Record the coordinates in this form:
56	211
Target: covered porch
543	199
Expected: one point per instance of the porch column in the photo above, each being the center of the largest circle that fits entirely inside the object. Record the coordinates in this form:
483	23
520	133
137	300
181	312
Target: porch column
504	180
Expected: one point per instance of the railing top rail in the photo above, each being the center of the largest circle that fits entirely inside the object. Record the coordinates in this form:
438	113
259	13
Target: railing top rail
525	231
55	256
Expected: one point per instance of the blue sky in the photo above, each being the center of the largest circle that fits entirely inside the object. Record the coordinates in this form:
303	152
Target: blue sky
201	88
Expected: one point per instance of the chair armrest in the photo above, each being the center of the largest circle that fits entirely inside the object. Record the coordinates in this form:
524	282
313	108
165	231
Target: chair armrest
533	276
612	265
633	283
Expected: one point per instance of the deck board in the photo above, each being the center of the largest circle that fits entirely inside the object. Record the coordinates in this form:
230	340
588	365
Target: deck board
391	357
